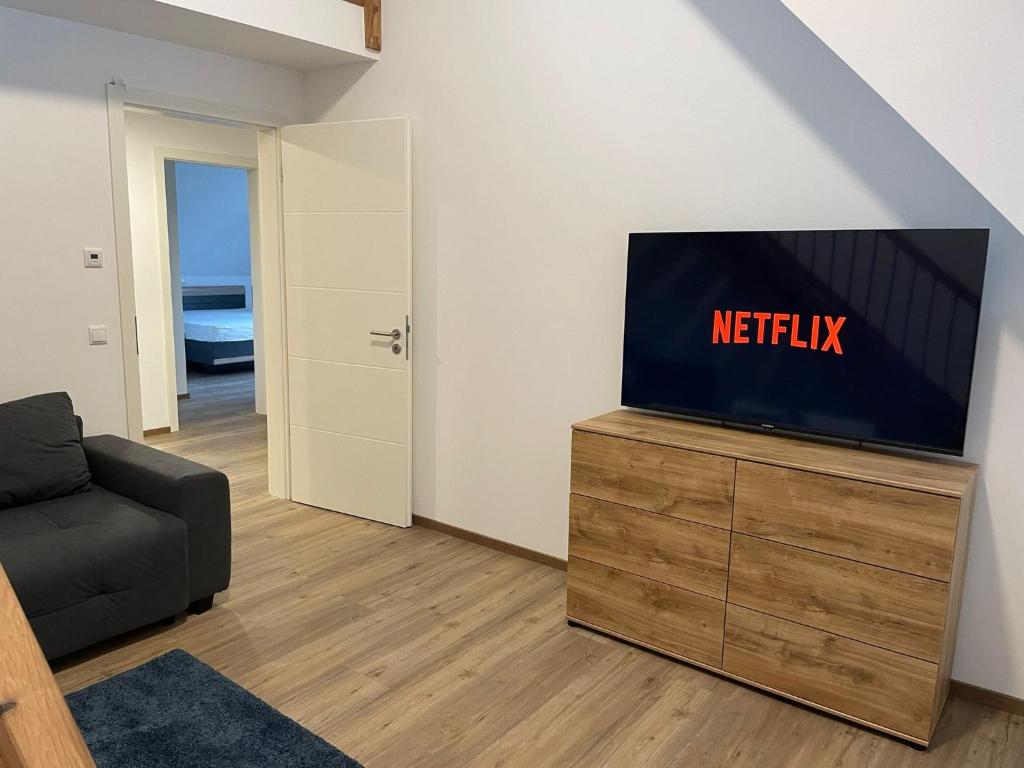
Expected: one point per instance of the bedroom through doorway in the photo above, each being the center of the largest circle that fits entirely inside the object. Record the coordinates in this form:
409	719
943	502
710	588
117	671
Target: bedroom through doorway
211	253
193	203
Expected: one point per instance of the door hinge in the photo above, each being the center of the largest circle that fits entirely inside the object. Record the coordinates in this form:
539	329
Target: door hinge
408	342
136	334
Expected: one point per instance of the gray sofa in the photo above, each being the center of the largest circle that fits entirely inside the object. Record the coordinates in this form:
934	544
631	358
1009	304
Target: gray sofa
100	536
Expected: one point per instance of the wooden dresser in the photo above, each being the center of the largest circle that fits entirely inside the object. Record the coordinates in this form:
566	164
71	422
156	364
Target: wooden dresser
829	575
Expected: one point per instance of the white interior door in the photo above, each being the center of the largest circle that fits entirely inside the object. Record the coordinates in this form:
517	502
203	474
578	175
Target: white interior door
348	265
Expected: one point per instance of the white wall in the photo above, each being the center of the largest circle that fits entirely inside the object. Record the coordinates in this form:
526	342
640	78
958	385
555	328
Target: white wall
144	134
536	152
213	219
55	197
953	70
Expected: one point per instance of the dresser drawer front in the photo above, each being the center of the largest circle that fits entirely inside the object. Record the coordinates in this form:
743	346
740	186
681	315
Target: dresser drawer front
659	547
894	528
894	610
672	481
658	615
871	684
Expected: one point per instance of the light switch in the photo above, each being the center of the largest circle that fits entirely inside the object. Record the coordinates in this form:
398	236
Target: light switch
93	257
97	334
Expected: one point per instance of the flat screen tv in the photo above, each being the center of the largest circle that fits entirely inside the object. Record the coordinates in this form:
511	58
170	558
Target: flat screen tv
866	335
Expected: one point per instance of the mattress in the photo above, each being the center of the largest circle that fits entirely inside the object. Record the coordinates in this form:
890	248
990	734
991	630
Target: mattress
218	324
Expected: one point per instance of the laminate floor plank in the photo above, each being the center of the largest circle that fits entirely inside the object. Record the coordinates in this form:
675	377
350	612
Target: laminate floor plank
412	649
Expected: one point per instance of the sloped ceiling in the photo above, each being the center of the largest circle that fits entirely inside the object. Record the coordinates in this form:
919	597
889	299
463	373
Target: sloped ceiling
953	70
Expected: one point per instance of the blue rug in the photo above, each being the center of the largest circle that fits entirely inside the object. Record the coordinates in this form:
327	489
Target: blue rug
176	712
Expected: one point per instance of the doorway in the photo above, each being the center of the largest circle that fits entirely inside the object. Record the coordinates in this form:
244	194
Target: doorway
336	325
211	216
193	209
266	255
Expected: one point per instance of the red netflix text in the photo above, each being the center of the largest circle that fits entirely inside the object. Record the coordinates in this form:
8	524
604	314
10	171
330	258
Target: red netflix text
817	332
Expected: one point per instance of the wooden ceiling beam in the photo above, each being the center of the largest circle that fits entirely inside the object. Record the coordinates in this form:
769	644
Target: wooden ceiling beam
371	22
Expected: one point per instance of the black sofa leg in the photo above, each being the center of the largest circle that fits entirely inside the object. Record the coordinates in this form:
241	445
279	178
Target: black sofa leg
201	605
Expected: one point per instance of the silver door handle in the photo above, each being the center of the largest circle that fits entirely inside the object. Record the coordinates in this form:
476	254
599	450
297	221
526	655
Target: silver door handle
395	334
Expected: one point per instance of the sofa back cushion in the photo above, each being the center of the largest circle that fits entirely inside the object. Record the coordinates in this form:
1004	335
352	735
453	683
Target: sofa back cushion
41	454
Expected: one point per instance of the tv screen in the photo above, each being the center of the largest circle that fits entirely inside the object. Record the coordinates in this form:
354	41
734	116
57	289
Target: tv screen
867	335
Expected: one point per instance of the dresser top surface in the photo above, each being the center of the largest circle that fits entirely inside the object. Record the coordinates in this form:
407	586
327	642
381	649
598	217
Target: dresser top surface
940	476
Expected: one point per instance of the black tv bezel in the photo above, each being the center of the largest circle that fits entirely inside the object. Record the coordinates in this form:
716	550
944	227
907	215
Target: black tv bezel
788	430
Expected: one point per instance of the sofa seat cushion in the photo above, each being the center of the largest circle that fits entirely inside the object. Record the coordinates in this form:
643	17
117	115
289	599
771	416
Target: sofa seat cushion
41	454
106	562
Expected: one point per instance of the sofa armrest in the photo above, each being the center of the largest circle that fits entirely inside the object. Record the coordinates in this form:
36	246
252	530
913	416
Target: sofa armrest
196	494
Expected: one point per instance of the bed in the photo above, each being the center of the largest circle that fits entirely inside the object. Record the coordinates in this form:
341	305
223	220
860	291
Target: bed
218	327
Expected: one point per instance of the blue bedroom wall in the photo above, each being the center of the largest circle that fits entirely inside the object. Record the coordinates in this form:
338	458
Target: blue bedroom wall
213	223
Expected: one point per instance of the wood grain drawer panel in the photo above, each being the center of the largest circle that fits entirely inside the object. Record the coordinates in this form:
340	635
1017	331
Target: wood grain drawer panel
659	547
895	528
655	614
894	610
685	484
859	680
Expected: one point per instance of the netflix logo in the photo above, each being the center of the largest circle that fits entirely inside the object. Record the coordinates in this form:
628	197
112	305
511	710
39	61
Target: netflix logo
820	332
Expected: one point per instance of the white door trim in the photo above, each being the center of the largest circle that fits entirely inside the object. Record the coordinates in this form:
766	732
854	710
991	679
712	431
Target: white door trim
185	106
123	260
270	266
160	156
273	289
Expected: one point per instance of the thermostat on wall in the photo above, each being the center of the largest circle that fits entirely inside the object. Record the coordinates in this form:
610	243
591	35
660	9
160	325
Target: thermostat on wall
93	257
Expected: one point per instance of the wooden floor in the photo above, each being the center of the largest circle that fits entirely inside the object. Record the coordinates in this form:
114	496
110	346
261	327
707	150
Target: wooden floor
410	648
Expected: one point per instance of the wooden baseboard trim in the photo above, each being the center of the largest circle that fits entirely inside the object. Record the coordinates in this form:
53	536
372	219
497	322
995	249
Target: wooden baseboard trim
186	396
156	431
487	541
992	699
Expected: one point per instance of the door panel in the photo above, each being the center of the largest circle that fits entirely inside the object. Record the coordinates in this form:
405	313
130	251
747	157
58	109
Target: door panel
375	252
344	167
334	324
348	473
348	265
348	399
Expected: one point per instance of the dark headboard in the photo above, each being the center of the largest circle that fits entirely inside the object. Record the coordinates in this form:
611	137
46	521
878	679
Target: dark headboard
213	297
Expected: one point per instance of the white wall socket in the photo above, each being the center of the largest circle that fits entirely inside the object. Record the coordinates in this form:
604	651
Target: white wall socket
93	257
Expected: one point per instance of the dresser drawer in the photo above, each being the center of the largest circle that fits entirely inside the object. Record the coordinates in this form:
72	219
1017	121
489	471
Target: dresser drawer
685	484
658	615
895	528
663	548
894	610
871	684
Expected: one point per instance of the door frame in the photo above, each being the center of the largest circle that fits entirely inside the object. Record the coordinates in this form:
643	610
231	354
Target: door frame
267	270
161	155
